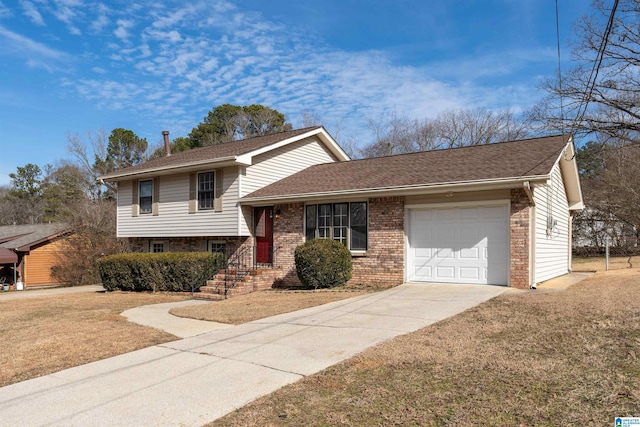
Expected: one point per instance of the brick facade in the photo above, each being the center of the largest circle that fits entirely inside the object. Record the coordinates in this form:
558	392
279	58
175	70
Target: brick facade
383	263
519	223
187	244
288	233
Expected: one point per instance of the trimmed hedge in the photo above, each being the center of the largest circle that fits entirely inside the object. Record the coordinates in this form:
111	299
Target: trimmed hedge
168	271
323	263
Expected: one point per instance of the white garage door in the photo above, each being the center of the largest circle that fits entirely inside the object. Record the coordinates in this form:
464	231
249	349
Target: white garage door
459	245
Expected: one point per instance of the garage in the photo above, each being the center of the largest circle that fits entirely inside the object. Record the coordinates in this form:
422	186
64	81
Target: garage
462	244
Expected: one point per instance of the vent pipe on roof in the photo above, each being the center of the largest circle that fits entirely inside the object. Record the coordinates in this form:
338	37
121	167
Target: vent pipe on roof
167	147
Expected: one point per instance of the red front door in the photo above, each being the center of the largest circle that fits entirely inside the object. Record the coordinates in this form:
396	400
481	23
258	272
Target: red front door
263	230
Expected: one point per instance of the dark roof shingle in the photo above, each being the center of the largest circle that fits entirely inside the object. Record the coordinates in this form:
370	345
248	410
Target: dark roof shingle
530	157
20	237
212	152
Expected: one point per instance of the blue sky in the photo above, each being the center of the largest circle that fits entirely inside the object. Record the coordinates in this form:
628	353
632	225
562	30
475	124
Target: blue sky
72	66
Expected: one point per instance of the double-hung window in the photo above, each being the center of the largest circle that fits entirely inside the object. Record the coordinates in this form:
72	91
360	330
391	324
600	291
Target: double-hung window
344	222
205	190
146	196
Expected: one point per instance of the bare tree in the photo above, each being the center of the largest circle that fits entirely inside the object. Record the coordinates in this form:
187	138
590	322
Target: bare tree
94	225
85	154
600	94
453	128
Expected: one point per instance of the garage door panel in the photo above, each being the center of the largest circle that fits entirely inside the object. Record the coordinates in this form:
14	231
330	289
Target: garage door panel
444	272
489	212
445	234
423	252
444	214
470	253
459	245
469	273
444	253
468	214
426	272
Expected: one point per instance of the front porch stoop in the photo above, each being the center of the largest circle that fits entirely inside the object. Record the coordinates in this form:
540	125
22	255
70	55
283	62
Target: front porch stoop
246	282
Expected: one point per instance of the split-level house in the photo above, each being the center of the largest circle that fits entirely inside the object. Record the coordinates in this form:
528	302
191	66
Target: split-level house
493	214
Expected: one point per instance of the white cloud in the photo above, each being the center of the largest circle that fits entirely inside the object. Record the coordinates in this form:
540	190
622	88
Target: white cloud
24	46
31	11
124	25
5	12
99	23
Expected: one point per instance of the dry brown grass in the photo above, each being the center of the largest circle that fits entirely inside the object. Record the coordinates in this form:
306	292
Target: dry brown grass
600	263
42	335
258	305
526	359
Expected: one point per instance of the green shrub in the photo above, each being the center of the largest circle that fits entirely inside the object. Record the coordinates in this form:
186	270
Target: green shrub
323	263
169	271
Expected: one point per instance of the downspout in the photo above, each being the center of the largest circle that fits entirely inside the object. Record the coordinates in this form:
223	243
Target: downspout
570	241
532	234
527	189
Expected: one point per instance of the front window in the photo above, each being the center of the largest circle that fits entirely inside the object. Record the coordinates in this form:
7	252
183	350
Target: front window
146	196
358	226
157	247
344	222
340	222
310	222
217	246
324	221
205	190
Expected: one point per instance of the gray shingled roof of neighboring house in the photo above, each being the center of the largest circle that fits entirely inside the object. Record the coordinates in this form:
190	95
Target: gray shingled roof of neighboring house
212	152
499	161
22	237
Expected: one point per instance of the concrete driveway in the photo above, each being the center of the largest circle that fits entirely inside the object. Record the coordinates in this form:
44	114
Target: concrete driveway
198	379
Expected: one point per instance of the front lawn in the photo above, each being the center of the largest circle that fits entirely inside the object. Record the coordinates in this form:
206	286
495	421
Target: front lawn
42	335
258	305
527	359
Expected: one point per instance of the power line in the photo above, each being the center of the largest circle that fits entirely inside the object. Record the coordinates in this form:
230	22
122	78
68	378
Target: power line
582	108
559	70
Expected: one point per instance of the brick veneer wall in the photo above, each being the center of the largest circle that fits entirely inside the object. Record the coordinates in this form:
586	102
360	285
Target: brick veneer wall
519	223
288	233
383	264
187	244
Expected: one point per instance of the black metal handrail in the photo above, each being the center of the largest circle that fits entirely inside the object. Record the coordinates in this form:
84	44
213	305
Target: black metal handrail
240	263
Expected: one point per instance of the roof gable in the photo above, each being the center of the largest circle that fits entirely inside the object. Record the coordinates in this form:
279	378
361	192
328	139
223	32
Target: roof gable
233	152
500	162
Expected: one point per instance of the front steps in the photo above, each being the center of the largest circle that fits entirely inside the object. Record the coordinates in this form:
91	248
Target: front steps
242	281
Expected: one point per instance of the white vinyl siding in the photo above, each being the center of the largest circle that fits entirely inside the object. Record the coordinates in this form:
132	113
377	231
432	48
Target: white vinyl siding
174	219
551	229
277	164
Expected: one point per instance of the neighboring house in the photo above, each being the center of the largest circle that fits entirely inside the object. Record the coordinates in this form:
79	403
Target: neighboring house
593	228
492	214
27	252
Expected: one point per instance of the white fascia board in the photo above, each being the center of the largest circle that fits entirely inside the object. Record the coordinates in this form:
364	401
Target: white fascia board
324	136
571	176
496	184
166	170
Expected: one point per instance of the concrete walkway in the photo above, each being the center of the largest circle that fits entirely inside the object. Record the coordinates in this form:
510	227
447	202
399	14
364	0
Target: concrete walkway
157	316
196	380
